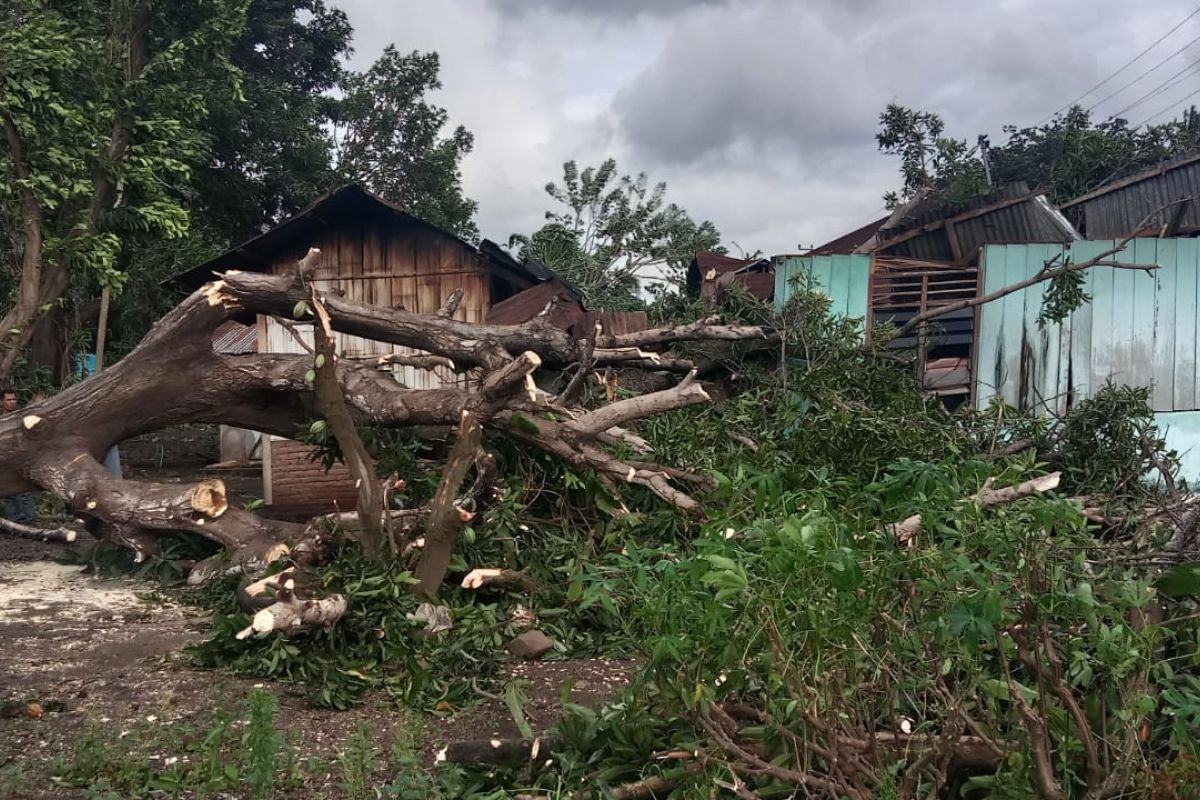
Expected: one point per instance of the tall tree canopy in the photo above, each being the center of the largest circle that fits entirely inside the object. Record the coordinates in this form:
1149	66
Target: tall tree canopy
141	139
389	137
103	114
270	153
1067	156
612	231
269	150
927	157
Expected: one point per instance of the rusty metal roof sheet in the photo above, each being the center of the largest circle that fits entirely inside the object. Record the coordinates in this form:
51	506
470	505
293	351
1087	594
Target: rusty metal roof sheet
740	269
524	306
848	242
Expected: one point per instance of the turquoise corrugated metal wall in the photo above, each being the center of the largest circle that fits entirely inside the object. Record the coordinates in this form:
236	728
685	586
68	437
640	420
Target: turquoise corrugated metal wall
1181	430
1139	330
843	278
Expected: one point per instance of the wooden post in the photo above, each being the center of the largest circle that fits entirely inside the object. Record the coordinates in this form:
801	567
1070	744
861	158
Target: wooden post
102	330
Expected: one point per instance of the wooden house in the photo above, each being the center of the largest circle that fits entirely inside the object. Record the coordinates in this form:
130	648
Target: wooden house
374	252
925	255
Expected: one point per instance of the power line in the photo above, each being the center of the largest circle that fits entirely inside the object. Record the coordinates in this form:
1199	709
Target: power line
1143	75
1168	108
1166	85
1125	66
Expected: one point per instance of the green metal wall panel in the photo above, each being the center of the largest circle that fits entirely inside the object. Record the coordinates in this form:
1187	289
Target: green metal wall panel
843	278
1139	329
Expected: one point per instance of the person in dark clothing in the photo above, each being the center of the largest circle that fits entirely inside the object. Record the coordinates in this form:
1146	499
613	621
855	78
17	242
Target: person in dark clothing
18	508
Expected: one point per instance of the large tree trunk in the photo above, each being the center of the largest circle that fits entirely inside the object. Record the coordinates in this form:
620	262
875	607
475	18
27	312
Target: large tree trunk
173	376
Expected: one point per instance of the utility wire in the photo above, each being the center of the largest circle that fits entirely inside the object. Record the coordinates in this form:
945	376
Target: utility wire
1166	85
1125	66
1174	105
1111	95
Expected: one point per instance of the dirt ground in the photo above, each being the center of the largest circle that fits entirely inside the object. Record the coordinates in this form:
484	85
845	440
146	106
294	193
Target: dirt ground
105	657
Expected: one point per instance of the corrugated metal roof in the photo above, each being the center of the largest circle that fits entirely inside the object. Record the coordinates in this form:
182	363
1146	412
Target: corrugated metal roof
848	242
1121	208
1012	214
759	284
526	305
706	260
233	338
739	269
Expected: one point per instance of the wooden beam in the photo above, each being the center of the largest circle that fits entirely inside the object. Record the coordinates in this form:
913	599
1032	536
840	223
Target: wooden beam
955	247
1172	226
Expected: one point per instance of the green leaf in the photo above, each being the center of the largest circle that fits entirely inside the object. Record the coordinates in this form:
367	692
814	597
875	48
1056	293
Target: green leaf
319	361
514	698
721	562
300	310
1181	580
310	376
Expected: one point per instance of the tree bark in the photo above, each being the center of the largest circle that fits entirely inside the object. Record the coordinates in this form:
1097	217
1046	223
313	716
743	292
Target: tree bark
173	376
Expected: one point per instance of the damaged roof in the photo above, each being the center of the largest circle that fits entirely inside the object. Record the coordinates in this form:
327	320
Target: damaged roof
930	229
848	243
1117	209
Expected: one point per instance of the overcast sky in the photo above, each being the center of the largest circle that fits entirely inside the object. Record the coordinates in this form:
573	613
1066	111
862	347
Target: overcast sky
759	114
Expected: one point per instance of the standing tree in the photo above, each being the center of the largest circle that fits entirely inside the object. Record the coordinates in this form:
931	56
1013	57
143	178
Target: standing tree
1067	156
927	158
102	115
270	153
615	229
388	137
1071	154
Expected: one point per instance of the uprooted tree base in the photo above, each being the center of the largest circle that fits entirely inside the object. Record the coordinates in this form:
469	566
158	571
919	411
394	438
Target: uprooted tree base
174	376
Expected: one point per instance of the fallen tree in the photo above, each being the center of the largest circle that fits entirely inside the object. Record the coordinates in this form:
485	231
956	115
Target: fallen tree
173	376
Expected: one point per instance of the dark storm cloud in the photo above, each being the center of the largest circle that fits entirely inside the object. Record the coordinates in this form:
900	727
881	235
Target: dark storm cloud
759	114
812	78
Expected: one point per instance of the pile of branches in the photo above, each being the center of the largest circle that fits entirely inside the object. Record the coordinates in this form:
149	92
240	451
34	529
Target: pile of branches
174	377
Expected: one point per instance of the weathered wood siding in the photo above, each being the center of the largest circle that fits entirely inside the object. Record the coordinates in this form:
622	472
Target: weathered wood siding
389	265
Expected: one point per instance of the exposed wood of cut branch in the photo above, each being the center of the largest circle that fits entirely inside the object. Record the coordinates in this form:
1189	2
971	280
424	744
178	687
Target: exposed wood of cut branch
445	518
908	529
499	751
1047	273
508	579
416	360
331	404
35	533
290	614
687	393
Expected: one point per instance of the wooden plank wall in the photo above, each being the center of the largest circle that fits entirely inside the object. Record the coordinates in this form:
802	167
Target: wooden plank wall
392	266
1139	329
